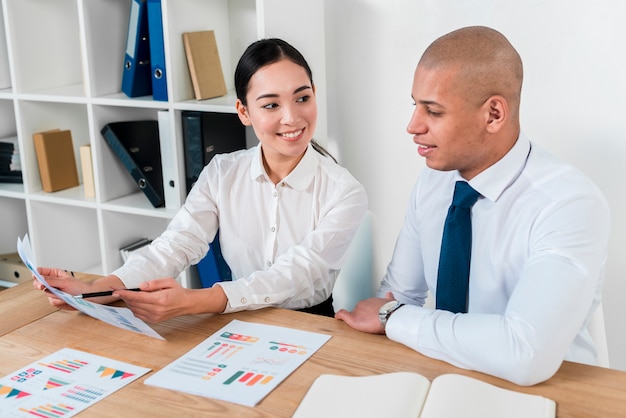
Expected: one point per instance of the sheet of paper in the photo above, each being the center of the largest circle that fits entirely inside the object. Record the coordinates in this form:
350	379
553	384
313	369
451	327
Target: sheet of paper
63	384
475	398
240	363
119	317
398	394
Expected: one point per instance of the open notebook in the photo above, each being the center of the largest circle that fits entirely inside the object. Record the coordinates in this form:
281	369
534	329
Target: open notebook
407	394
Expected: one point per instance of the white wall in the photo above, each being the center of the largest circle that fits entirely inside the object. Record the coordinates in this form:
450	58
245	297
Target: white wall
574	100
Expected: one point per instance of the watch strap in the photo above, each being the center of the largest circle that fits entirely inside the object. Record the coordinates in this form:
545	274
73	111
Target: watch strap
383	316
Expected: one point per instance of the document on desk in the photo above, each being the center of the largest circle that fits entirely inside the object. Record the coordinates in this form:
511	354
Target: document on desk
119	317
63	384
241	363
409	394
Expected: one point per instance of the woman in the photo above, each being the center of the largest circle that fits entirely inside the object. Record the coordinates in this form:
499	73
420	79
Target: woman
286	213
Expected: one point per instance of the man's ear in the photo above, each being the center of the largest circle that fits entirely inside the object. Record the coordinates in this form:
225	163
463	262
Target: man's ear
242	112
497	111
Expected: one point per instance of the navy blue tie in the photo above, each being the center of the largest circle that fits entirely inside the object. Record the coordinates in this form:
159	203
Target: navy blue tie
456	248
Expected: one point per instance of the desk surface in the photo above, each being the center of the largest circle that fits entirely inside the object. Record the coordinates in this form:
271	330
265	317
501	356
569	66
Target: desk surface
579	390
14	299
12	303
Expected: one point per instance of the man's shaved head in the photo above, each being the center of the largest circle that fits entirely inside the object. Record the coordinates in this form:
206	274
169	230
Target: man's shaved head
485	61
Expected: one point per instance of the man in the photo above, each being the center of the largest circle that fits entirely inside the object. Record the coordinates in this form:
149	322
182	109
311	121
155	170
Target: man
539	228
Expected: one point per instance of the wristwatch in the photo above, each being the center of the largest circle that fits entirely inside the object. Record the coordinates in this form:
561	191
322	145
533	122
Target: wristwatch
386	310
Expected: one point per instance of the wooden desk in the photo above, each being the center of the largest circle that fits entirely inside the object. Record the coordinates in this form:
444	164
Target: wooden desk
21	305
579	390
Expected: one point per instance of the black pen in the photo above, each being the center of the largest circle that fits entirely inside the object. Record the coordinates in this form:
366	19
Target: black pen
106	293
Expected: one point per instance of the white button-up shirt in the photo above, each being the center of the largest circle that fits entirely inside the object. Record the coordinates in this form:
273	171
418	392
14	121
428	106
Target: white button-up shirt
539	246
284	243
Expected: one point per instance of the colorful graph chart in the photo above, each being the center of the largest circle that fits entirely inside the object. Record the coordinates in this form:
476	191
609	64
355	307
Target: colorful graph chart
25	375
54	383
65	366
287	348
63	384
83	394
113	373
249	378
241	363
49	410
223	350
198	368
239	337
10	392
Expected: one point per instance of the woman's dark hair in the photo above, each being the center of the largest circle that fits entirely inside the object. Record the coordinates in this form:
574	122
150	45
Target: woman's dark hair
262	53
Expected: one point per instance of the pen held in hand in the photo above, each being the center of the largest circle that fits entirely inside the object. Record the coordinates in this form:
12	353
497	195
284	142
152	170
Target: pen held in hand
105	293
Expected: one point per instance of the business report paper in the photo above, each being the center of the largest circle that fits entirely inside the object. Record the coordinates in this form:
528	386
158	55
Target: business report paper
241	363
119	317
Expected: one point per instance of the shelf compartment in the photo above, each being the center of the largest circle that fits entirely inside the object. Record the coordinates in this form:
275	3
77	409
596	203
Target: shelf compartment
105	29
44	38
64	236
123	229
15	210
5	72
234	23
138	204
8	129
115	181
8	126
38	116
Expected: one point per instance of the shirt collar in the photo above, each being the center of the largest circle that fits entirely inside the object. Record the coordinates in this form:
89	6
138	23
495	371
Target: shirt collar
492	182
257	171
299	178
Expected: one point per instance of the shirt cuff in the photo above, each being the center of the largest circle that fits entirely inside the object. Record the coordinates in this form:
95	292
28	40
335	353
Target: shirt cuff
404	324
240	297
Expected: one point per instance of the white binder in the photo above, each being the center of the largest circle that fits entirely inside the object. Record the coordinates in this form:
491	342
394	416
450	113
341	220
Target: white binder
173	184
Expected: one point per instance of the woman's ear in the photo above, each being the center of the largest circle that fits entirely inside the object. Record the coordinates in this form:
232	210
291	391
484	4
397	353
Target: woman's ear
242	112
497	112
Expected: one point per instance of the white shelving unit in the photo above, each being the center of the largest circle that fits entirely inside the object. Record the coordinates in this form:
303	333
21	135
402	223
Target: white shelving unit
61	67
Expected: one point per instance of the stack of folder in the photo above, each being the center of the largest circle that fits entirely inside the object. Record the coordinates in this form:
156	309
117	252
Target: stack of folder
126	250
10	168
206	134
144	61
137	146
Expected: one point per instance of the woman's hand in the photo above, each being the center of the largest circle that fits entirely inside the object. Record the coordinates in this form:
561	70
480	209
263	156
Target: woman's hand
62	280
66	282
162	299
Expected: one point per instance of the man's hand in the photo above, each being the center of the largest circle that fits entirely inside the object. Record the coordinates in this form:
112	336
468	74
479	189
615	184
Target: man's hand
364	317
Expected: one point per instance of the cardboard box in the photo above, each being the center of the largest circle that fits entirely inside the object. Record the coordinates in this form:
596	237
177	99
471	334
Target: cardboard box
55	157
12	269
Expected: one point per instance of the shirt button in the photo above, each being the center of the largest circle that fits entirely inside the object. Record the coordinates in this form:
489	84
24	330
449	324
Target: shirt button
269	263
267	299
273	229
244	300
275	194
